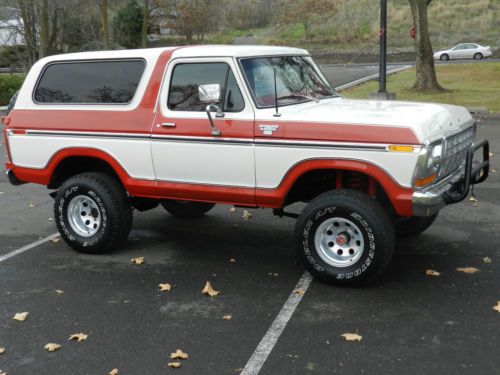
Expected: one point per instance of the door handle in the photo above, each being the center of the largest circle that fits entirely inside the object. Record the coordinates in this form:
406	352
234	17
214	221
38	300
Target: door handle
166	125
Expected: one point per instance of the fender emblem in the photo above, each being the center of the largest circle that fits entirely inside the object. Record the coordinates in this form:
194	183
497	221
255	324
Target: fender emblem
268	129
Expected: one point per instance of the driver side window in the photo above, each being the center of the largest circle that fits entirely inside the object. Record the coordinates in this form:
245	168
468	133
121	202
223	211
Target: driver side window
186	78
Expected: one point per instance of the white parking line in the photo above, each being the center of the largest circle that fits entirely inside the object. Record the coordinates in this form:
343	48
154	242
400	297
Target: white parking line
272	335
28	247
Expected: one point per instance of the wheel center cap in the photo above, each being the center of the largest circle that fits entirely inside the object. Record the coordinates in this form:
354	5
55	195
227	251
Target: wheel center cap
341	239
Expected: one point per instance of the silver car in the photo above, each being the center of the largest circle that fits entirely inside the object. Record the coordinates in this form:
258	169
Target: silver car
464	51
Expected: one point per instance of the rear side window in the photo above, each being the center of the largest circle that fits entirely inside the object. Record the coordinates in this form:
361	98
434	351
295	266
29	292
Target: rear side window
89	82
186	78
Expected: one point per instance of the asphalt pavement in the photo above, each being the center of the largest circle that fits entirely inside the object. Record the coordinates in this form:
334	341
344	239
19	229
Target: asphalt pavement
410	323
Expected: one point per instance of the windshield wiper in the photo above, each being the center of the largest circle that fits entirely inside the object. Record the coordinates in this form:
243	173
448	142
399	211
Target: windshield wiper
299	96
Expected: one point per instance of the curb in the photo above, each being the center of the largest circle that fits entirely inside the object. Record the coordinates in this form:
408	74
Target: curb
370	78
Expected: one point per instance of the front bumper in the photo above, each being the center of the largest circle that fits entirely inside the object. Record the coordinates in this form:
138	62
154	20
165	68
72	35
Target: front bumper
455	188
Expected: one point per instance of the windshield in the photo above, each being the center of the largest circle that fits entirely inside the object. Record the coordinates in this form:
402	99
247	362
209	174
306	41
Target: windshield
297	80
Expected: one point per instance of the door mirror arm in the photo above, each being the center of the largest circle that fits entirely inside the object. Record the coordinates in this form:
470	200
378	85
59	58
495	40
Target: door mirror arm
215	130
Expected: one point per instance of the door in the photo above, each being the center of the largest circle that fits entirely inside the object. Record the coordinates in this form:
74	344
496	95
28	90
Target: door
187	156
459	52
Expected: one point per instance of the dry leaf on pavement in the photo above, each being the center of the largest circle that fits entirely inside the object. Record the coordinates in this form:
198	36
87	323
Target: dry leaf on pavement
472	199
113	372
227	317
179	354
138	260
487	260
432	273
2	350
467	269
232	260
273	274
352	337
21	317
52	347
165	287
299	292
2	373
31	205
209	290
59	291
497	307
56	240
246	215
78	337
232	209
174	364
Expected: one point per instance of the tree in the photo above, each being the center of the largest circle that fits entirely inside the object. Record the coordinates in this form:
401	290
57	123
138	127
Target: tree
127	25
307	12
145	25
103	7
426	73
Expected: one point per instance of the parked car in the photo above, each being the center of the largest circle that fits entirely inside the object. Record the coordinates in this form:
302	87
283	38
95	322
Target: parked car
464	51
261	127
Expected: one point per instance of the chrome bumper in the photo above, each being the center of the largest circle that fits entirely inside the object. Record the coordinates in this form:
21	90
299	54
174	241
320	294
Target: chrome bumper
455	188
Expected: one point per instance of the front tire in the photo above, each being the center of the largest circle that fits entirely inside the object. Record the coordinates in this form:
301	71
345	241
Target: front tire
444	57
344	237
186	209
92	213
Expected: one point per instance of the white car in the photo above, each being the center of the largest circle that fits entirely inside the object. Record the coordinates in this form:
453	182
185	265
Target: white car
464	51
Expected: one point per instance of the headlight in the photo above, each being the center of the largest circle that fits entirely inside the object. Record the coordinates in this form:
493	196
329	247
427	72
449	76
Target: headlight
428	164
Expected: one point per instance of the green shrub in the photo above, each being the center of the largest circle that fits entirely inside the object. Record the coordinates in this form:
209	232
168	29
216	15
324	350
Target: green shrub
9	84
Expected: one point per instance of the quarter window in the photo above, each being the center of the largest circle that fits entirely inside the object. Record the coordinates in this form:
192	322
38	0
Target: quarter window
186	78
90	82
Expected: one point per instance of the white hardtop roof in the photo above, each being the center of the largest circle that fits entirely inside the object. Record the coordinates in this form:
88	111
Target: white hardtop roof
186	51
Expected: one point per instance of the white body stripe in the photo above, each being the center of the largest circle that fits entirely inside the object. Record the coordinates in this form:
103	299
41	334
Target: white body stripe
36	151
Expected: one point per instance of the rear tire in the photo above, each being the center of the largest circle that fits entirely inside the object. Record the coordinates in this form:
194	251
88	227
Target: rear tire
444	57
344	237
92	213
413	226
478	56
186	209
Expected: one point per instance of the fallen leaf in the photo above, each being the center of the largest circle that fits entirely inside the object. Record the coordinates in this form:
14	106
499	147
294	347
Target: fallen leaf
227	317
299	292
246	215
491	154
113	372
209	290
50	219
232	209
493	171
432	273
352	337
472	199
273	274
165	287
1	192
31	205
174	364
2	350
497	307
56	240
138	260
78	336
179	354
59	291
232	260
21	317
467	269
487	260
52	347
2	373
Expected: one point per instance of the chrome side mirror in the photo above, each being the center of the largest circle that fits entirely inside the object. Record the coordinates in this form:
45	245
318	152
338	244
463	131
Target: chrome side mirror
210	94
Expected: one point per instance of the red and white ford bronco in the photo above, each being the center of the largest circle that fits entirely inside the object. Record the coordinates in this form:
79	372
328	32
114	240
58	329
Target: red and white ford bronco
249	126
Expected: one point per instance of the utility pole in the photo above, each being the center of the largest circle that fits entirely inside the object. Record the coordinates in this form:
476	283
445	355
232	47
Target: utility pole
382	93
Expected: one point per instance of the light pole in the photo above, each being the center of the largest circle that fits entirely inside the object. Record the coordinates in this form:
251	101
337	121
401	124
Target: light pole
382	93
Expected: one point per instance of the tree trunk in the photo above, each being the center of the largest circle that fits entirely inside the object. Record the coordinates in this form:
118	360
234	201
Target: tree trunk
44	29
104	23
145	24
426	72
27	8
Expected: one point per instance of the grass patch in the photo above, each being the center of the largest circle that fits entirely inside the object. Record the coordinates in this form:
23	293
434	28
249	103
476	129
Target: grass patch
469	85
9	84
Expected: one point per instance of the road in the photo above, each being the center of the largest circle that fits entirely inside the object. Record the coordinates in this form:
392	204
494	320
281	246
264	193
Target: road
410	323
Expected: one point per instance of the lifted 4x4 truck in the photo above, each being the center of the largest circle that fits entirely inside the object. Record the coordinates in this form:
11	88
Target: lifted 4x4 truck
192	127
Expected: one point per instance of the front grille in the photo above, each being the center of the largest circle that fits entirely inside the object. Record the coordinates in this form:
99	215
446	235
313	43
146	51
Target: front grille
455	151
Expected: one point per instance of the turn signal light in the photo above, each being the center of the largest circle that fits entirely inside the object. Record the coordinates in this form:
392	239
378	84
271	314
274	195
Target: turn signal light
425	181
399	148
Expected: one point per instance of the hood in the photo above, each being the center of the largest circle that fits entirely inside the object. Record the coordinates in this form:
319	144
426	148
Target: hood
428	121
